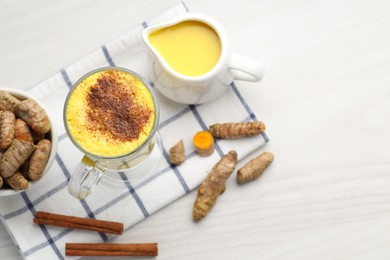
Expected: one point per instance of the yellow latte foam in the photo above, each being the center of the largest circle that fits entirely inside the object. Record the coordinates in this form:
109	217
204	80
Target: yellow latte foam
110	113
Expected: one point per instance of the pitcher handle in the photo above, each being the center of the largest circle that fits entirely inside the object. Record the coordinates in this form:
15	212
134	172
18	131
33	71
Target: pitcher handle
244	68
85	178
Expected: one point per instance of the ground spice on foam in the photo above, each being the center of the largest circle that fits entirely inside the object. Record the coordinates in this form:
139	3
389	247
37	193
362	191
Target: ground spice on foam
113	111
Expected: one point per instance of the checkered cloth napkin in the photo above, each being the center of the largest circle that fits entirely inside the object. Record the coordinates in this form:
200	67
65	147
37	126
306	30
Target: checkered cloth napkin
127	202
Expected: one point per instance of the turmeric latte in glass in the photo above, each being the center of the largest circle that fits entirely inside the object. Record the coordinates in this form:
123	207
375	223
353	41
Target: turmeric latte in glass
110	113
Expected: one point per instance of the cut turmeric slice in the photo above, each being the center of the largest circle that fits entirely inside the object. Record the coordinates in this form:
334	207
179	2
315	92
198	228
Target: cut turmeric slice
176	153
204	143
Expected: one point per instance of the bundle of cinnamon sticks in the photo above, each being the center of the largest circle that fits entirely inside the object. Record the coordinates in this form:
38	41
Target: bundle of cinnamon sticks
95	249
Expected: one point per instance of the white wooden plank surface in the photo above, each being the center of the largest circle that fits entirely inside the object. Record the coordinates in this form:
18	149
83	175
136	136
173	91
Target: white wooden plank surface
325	99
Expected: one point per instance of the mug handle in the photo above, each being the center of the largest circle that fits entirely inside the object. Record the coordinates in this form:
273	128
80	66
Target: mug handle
244	68
85	178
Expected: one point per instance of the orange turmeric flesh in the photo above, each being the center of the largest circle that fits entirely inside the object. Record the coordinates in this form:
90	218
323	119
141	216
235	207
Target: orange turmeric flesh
204	143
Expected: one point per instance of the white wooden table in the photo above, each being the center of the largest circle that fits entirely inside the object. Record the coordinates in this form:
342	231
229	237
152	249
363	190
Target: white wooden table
325	99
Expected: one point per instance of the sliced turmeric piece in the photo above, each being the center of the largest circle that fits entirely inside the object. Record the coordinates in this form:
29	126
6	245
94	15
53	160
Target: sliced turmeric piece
39	159
237	130
34	115
15	156
204	143
22	131
7	121
17	181
214	185
254	168
176	153
8	102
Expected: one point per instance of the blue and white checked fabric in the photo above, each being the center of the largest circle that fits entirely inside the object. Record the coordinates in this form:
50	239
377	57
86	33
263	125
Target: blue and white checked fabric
125	202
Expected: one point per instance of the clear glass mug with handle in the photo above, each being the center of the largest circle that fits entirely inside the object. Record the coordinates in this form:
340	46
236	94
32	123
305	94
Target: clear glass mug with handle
111	115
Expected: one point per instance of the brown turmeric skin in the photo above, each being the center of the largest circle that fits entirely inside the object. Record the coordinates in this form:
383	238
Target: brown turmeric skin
34	115
254	168
176	153
19	120
7	121
237	130
17	181
38	159
8	102
23	169
15	156
214	185
37	136
22	131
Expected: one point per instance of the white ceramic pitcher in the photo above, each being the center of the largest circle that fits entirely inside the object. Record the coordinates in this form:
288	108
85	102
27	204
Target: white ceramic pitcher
208	86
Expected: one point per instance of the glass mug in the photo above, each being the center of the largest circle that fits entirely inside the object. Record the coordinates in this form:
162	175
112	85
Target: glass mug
190	41
111	115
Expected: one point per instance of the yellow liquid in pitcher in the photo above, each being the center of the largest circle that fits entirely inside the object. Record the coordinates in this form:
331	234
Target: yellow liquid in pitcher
191	48
110	113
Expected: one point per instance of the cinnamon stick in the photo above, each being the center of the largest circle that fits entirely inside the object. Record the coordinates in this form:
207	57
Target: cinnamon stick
46	218
108	249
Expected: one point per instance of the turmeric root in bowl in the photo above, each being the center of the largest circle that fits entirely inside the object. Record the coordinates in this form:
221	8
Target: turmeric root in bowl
28	142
